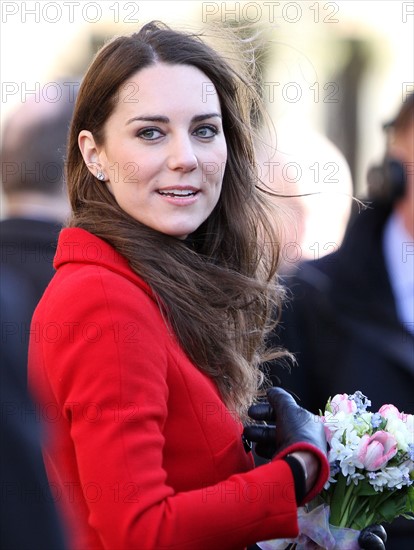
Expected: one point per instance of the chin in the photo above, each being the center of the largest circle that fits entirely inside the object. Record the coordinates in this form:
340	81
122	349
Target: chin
181	233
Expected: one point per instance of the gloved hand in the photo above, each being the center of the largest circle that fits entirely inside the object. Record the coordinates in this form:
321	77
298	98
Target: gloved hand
294	424
263	435
373	537
296	430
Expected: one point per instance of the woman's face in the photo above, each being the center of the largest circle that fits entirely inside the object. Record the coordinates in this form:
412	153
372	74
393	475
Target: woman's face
164	150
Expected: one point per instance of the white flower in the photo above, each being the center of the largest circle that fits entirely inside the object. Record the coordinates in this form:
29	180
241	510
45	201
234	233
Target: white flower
402	431
352	439
338	451
397	477
377	480
334	469
337	423
356	478
400	425
349	464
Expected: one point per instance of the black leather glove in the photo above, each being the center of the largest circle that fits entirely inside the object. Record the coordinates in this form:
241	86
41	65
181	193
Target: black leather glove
296	430
263	435
373	537
294	425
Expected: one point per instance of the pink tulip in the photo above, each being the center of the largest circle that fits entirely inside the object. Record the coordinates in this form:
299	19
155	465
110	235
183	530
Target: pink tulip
341	403
376	450
390	411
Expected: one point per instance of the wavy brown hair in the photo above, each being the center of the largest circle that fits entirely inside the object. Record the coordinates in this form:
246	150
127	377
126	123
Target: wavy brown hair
217	290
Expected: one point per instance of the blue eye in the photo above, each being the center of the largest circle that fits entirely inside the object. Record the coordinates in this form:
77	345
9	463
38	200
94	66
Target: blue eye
206	131
150	134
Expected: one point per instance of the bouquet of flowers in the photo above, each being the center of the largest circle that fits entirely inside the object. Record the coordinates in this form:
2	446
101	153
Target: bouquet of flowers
372	462
371	459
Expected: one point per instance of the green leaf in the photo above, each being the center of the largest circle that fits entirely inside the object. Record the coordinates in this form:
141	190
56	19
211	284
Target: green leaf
410	499
388	510
383	424
360	522
365	489
337	500
397	504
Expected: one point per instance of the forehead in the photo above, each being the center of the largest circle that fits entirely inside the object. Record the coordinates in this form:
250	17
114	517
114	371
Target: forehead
163	87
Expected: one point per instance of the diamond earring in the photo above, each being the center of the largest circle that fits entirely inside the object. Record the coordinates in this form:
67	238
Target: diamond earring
101	176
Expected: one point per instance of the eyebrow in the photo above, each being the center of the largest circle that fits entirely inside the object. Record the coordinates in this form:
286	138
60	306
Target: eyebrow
166	120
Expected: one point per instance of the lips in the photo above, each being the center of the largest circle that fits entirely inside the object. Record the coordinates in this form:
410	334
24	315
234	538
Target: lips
178	192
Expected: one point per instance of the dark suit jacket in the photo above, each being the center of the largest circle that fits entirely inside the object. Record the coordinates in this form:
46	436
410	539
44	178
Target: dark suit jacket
28	246
341	324
27	249
28	516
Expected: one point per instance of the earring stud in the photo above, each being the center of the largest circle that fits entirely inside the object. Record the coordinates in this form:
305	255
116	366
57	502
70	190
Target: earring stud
101	176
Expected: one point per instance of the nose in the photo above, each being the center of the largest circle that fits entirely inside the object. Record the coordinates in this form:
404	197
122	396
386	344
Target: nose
181	155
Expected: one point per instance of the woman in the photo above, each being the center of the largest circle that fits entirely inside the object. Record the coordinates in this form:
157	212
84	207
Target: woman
146	344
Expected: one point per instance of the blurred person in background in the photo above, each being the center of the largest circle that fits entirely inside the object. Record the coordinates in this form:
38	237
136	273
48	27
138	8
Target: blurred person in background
32	160
314	179
350	318
28	516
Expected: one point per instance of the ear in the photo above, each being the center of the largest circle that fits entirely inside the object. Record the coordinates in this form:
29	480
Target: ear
91	153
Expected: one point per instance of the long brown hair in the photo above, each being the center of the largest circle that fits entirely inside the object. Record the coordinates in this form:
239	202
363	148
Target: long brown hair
218	289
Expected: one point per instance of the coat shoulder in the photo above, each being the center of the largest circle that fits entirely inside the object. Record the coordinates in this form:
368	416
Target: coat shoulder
87	291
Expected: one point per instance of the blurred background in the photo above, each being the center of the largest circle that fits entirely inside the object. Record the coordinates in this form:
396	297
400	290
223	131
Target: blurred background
333	73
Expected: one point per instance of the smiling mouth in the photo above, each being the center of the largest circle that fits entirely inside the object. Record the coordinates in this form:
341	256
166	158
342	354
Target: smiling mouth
178	193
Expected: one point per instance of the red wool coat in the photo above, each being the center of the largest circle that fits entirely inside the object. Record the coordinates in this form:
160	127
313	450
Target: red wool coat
142	452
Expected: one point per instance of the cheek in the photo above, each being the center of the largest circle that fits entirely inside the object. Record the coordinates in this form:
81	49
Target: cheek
215	180
219	165
127	171
141	169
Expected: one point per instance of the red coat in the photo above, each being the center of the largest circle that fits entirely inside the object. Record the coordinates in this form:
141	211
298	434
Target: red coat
143	454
